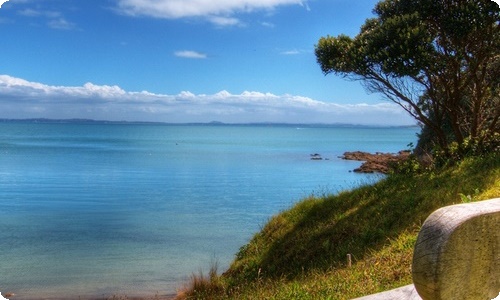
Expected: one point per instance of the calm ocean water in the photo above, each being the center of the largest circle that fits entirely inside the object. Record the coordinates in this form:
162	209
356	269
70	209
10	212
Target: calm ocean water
101	209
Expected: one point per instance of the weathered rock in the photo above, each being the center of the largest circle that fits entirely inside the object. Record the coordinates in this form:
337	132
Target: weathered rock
316	156
378	162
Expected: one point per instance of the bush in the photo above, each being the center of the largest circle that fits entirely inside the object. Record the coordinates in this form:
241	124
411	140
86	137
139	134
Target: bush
487	142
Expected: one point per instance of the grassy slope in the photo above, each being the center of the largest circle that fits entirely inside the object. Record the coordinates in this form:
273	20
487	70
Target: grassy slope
301	253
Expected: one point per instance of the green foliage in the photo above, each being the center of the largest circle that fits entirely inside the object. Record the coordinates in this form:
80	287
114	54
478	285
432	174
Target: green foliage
469	198
301	252
480	146
331	49
411	166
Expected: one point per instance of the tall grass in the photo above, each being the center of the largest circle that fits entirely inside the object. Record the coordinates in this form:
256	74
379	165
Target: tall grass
203	286
301	253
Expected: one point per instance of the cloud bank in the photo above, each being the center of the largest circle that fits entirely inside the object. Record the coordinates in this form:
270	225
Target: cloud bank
20	98
219	12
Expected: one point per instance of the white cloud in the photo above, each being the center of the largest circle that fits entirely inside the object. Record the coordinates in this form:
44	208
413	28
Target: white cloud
291	52
2	2
61	24
267	24
24	99
190	54
295	52
55	18
224	21
104	91
212	10
28	12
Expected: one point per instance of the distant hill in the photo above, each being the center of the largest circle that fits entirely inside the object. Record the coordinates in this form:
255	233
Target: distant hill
212	123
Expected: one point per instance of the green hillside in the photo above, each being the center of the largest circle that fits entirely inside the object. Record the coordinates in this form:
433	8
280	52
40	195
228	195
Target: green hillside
302	252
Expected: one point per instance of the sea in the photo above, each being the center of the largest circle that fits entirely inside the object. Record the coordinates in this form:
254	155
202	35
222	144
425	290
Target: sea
96	209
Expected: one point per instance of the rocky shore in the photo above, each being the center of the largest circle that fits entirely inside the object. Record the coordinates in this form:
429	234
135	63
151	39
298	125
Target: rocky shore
378	162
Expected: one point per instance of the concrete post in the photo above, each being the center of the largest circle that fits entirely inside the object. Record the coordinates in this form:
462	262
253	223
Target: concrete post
457	254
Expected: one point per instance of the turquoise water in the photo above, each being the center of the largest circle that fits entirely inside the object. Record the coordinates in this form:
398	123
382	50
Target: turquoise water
100	209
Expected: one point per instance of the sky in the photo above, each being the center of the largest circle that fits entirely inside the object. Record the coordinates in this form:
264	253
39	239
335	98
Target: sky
181	61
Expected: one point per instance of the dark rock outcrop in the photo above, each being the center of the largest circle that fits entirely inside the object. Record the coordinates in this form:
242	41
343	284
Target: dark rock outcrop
378	162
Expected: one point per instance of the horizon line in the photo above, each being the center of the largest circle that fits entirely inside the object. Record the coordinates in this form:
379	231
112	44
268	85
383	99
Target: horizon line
85	120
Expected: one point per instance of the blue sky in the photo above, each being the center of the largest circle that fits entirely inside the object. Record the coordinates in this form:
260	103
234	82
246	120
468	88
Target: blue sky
181	61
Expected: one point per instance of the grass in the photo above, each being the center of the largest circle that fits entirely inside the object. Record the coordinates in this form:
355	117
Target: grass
301	253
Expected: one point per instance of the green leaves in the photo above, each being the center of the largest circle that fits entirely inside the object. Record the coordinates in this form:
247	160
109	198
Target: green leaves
333	54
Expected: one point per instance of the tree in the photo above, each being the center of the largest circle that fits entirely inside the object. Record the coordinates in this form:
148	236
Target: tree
437	59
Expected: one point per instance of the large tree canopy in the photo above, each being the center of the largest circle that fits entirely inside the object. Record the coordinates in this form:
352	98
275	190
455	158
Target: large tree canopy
438	59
